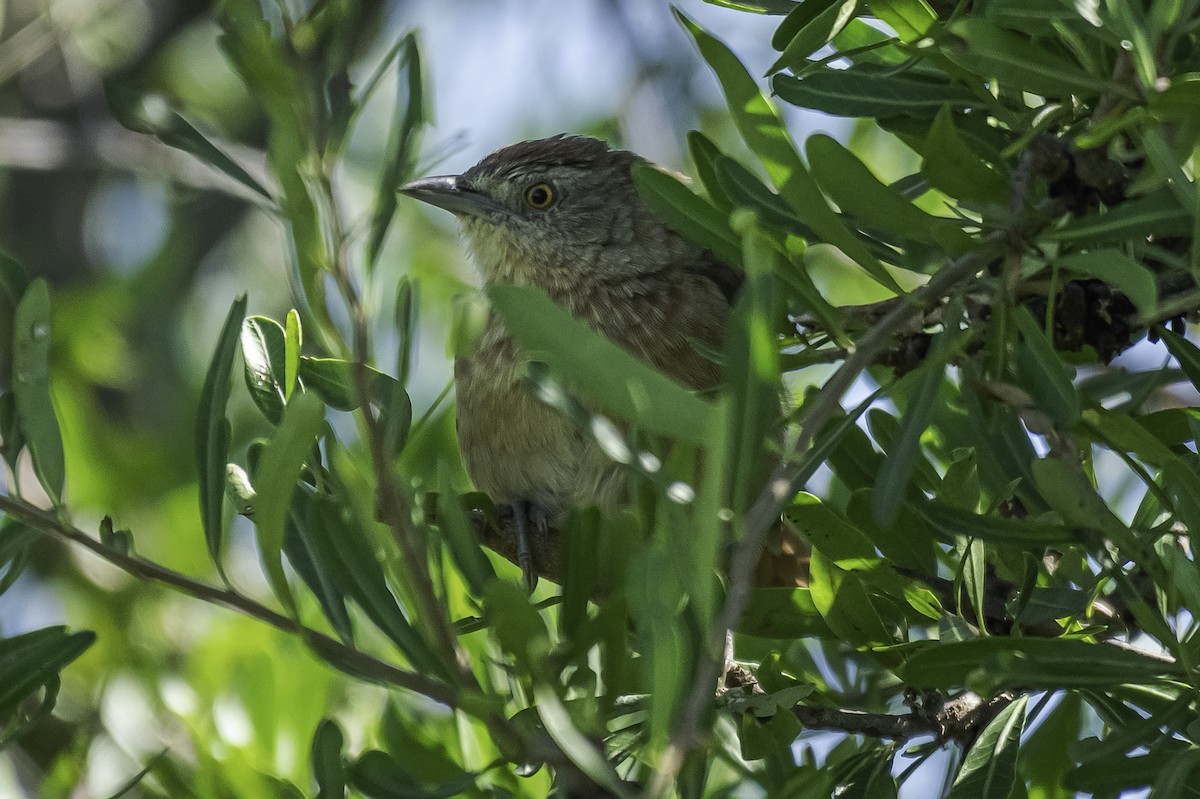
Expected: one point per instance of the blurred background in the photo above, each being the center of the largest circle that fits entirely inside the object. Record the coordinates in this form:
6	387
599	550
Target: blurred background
145	247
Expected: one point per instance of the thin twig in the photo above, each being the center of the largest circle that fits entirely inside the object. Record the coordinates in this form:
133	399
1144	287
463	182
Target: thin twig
329	649
782	486
392	505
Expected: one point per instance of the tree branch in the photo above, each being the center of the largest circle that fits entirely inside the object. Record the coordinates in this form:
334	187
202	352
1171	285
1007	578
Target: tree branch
332	651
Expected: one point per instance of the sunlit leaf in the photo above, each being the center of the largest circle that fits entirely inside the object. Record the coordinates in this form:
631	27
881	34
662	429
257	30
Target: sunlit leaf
275	480
989	769
598	369
212	430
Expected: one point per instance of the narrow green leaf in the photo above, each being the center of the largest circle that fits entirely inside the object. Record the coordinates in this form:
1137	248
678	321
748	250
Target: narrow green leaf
743	189
150	114
686	213
291	353
1179	777
308	546
782	613
910	19
857	191
328	769
1030	663
1156	214
808	28
275	481
263	353
989	771
31	388
408	118
377	775
952	166
350	566
844	600
1044	374
212	430
752	376
704	157
1186	353
14	280
31	660
759	122
602	372
332	379
1021	64
952	521
1118	270
575	745
893	482
848	93
406	325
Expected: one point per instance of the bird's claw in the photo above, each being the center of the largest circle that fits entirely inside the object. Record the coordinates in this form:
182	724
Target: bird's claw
525	512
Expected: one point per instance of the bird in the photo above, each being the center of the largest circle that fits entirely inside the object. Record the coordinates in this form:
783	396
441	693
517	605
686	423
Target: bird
562	214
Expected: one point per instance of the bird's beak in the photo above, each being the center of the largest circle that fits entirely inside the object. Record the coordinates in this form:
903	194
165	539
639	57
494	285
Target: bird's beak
448	192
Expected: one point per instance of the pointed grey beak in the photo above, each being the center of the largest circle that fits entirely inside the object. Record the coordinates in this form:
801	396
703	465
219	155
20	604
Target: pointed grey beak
448	192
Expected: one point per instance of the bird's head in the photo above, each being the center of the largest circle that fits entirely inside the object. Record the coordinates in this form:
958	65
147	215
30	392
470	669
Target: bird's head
552	213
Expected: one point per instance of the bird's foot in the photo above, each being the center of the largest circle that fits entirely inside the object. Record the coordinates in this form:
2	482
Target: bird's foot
526	513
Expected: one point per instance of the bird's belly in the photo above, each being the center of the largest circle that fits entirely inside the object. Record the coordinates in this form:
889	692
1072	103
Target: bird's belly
516	447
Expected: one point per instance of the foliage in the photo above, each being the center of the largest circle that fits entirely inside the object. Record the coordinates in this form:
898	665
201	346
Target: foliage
1001	573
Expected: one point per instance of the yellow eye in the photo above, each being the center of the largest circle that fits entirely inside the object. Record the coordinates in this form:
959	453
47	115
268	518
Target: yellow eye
539	196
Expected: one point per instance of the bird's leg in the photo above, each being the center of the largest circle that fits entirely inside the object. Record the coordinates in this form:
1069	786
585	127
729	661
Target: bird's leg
525	512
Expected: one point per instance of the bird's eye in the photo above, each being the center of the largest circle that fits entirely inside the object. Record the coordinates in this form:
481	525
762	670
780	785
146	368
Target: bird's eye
540	196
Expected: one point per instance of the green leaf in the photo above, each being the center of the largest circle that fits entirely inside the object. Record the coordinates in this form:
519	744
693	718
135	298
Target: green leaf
1048	663
348	564
893	482
409	117
1118	270
743	189
954	168
212	430
851	93
752	378
910	19
275	481
293	340
326	756
582	752
1158	214
857	191
31	388
845	601
1186	353
759	122
332	379
808	28
989	771
380	776
1020	64
33	660
14	280
952	521
150	114
782	613
602	372
1179	777
1043	373
688	214
263	353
